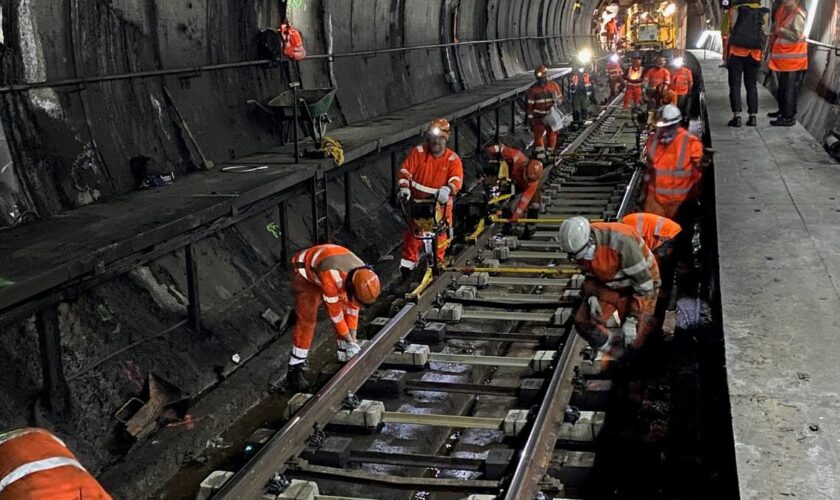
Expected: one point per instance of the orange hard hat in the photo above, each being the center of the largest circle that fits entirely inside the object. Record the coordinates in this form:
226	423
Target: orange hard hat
366	286
533	171
439	127
541	71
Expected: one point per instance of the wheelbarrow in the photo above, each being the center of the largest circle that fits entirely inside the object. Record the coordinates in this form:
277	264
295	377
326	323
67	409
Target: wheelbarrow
313	105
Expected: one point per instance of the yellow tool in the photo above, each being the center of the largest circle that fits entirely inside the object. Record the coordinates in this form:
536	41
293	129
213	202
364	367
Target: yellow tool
479	228
428	277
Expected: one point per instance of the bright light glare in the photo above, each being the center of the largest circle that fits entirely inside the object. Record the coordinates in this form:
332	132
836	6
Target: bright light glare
670	9
677	62
434	131
585	56
644	15
812	13
614	58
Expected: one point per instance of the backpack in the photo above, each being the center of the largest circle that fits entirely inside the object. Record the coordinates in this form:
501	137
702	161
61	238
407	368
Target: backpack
292	42
747	32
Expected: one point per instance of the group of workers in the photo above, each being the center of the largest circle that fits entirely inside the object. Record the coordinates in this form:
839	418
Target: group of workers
656	86
746	29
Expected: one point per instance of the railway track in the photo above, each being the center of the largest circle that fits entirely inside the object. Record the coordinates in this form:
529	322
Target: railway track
466	390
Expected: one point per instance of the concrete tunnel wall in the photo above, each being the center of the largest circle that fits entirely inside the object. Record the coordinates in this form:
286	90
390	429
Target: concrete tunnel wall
71	146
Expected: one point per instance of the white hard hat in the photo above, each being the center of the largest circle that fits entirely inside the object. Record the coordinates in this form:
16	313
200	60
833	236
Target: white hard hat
668	115
574	234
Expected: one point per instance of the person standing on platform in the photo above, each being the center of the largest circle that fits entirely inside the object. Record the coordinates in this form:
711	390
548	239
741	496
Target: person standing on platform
335	276
674	163
634	78
750	25
431	171
539	101
682	83
789	59
621	276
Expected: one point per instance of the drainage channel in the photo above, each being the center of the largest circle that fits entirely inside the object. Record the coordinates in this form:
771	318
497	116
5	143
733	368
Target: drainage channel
464	392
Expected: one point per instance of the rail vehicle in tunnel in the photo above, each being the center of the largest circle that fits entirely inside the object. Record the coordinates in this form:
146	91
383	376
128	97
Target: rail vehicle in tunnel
545	272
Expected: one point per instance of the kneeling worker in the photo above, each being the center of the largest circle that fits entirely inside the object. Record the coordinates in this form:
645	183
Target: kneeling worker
621	276
35	465
431	170
336	276
526	175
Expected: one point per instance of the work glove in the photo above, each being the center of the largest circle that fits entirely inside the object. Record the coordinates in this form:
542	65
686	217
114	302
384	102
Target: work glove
595	308
404	194
443	195
630	329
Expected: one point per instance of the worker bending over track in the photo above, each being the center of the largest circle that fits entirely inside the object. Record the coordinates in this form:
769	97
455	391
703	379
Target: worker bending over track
431	171
541	97
674	165
621	277
525	174
36	465
336	276
656	231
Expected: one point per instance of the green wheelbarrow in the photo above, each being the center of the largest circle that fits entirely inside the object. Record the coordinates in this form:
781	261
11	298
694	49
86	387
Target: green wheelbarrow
313	105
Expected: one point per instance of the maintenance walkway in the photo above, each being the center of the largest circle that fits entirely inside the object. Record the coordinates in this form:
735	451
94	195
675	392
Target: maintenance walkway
104	239
778	219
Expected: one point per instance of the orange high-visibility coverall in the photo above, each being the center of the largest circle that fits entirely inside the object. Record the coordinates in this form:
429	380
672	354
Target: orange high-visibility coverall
634	77
538	102
624	277
425	174
529	192
320	275
36	465
655	230
674	172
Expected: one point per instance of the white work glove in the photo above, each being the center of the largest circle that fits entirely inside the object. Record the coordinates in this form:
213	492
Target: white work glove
595	308
443	195
630	330
404	194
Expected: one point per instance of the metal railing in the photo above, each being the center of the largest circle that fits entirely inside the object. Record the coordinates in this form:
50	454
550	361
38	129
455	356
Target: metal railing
834	48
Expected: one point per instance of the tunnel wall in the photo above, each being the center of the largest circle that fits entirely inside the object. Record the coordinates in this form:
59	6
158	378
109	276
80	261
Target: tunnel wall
71	146
819	106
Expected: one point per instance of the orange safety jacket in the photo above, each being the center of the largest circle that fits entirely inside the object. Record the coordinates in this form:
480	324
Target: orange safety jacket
425	174
654	229
614	70
292	42
657	76
681	81
541	98
327	267
518	162
674	168
36	465
788	55
622	261
634	77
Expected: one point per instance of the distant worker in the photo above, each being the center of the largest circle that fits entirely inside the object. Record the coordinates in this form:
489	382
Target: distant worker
36	465
540	99
634	78
611	33
789	59
621	276
674	162
580	86
431	171
682	83
615	74
750	25
656	231
656	76
335	276
525	174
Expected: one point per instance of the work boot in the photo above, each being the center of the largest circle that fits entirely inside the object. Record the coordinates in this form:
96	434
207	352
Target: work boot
751	121
405	273
296	379
774	114
734	122
783	122
346	350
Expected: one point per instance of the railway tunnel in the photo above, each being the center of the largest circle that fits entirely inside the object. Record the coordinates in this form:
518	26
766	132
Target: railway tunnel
162	163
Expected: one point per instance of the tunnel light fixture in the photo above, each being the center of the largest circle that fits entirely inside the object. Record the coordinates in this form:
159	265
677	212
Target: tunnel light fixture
669	9
584	56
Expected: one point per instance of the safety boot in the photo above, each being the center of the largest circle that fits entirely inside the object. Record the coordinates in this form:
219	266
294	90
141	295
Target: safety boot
296	378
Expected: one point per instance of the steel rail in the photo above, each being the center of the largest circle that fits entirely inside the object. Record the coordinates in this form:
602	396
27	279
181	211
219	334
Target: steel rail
534	458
